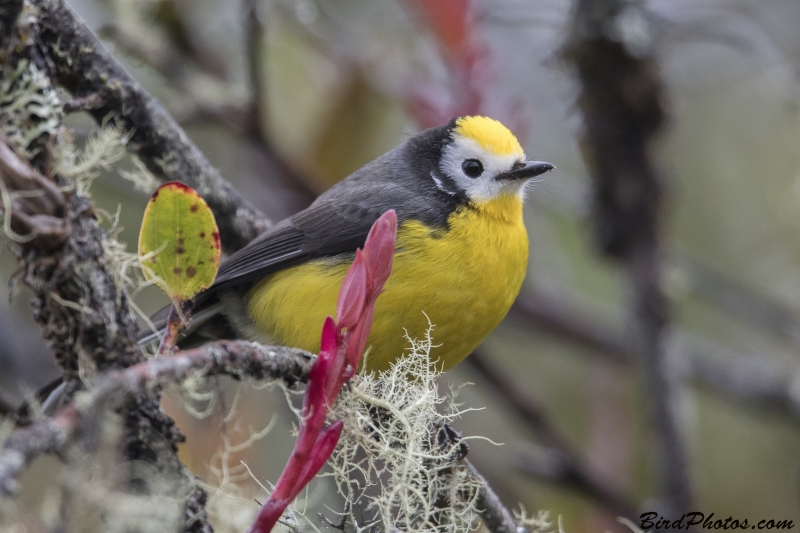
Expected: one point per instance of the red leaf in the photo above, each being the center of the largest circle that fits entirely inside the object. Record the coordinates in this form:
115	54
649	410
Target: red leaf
328	344
323	449
379	251
269	514
315	406
358	340
450	21
353	294
288	488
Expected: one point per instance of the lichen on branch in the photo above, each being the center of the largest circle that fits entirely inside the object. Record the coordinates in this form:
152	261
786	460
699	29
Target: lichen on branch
388	459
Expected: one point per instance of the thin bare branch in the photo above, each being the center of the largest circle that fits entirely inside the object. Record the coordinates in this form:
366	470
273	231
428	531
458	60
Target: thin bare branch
32	206
753	380
557	317
24	445
254	31
743	303
495	516
256	127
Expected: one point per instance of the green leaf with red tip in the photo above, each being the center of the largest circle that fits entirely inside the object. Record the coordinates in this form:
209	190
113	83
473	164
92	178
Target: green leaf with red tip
179	242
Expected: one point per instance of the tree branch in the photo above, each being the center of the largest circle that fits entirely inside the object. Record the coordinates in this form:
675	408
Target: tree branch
257	130
86	318
495	516
235	358
24	445
621	103
85	69
35	219
743	303
748	379
246	120
556	317
240	359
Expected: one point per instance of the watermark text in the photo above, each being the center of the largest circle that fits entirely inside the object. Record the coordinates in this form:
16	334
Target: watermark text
655	521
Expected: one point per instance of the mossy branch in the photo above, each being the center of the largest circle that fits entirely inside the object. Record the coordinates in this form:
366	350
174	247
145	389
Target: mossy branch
235	358
57	236
84	68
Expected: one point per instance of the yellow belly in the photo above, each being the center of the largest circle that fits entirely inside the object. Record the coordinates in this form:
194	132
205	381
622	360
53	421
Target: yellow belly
464	280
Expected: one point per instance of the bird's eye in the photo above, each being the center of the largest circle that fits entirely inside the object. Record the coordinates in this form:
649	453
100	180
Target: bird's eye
472	168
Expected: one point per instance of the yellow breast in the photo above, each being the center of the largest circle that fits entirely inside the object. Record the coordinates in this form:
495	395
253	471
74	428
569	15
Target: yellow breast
464	279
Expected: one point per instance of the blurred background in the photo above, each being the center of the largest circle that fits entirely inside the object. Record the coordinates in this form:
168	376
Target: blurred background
286	97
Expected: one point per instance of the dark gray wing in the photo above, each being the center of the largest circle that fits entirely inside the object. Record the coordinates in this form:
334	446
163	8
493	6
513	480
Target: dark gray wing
324	229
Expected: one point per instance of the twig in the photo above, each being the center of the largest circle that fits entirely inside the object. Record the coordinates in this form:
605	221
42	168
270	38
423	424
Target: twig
176	320
36	219
495	516
553	466
743	303
256	126
246	120
746	378
24	445
564	465
84	68
241	359
558	318
86	103
236	358
254	43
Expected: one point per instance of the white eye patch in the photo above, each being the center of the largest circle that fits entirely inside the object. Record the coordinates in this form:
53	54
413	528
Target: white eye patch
484	187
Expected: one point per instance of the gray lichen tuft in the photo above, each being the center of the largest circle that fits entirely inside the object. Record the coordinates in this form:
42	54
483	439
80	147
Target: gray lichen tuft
102	149
31	110
388	460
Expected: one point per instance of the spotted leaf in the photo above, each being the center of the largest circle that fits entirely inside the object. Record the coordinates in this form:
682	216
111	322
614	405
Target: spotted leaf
179	241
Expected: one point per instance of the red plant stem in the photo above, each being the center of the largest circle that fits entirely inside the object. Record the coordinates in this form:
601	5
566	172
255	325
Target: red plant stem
175	323
340	352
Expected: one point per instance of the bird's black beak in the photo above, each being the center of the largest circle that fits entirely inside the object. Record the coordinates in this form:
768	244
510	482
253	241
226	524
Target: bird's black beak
526	169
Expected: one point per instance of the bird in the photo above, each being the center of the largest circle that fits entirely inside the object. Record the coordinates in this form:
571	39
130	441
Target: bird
460	257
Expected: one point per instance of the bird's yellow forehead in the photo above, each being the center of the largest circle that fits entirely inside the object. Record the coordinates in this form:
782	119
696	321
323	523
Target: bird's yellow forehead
490	134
